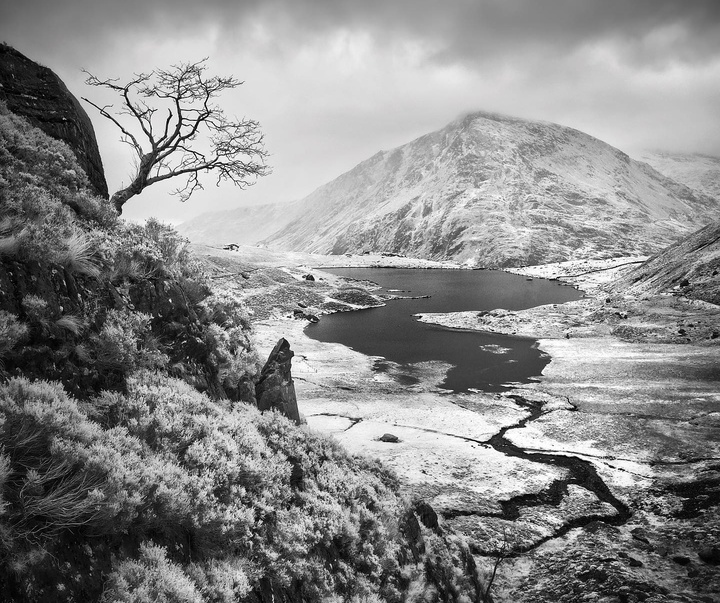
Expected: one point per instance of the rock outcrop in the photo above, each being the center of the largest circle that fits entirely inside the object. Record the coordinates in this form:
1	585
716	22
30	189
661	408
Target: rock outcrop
275	388
55	352
40	96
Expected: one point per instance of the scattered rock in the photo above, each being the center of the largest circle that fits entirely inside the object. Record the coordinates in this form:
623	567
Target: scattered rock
308	277
275	388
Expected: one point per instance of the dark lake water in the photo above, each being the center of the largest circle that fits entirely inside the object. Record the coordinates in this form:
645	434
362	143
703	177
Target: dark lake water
480	361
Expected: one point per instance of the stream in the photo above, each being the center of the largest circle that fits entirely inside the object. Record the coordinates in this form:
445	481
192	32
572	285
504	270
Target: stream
482	361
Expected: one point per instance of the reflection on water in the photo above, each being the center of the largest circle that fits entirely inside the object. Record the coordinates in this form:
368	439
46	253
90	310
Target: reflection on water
480	360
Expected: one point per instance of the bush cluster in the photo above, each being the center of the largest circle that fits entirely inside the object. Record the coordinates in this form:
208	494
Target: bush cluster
51	224
120	482
196	499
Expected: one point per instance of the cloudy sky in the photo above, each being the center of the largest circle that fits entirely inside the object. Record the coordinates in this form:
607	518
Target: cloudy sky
334	81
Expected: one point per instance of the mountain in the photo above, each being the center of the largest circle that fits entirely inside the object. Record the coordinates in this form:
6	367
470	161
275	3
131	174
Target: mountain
243	226
690	266
699	172
493	190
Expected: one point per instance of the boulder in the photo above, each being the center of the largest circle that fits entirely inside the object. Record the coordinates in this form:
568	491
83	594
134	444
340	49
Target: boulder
428	516
304	315
710	554
389	437
40	96
275	388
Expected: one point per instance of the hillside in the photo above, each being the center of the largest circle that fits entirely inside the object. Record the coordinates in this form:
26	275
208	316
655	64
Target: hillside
242	226
698	172
135	461
691	267
492	190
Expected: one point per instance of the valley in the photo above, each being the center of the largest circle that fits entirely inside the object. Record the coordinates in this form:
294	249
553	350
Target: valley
608	466
487	190
554	439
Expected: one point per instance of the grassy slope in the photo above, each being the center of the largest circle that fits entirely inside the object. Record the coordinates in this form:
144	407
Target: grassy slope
119	479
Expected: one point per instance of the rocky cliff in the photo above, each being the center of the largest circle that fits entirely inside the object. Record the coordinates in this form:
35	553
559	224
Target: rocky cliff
493	190
36	93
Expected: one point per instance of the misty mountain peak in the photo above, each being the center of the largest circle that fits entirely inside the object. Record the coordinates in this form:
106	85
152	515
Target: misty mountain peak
496	190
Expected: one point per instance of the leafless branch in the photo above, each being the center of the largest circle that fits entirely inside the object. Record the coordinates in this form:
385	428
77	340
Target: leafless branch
187	134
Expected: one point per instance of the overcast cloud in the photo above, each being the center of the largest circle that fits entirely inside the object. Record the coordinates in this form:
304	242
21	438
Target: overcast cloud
334	81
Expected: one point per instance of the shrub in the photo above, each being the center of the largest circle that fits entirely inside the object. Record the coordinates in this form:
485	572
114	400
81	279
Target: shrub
225	310
12	332
125	343
44	194
231	353
150	578
150	250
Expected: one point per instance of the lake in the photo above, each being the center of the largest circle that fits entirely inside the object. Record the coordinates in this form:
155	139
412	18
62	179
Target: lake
479	360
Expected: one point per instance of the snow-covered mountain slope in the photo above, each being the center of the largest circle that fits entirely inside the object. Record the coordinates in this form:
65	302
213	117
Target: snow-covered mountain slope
242	226
690	267
700	172
494	191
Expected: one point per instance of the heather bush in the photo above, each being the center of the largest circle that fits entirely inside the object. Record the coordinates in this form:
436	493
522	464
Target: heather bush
12	332
141	488
232	353
125	343
150	578
44	194
226	311
198	499
150	250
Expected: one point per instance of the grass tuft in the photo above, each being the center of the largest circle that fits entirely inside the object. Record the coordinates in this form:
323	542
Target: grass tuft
71	323
79	255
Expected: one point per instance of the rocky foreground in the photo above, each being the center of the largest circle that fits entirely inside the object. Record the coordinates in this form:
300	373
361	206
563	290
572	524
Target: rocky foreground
599	483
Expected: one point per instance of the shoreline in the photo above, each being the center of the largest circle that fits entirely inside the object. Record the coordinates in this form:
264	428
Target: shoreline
651	437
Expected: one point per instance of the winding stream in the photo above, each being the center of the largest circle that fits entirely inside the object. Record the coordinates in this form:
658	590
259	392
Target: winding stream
480	360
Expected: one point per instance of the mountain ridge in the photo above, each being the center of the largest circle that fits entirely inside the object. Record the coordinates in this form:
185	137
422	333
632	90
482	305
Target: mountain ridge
493	190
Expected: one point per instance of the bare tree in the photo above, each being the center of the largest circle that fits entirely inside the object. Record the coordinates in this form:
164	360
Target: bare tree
169	119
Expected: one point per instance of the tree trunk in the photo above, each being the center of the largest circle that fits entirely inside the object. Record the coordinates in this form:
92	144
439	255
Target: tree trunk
119	198
137	185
